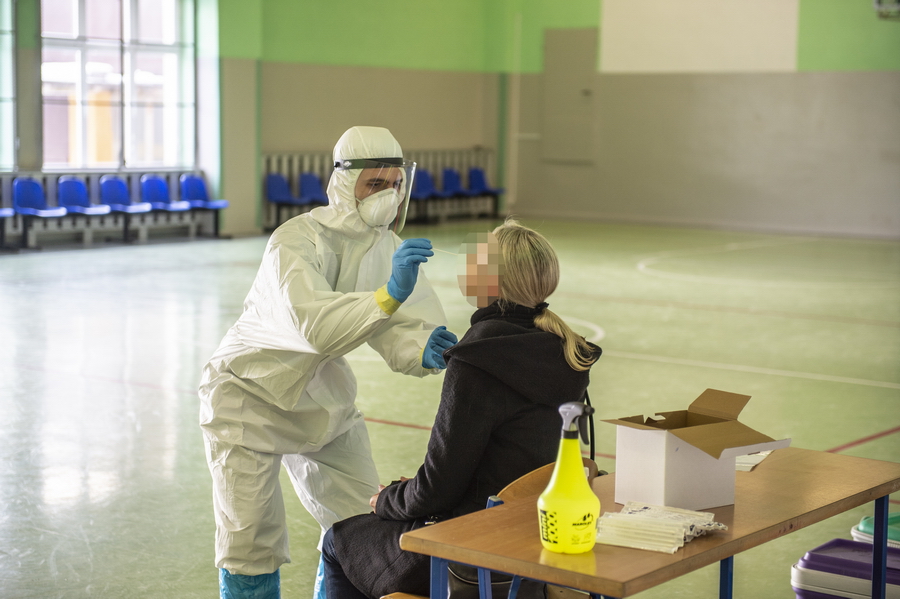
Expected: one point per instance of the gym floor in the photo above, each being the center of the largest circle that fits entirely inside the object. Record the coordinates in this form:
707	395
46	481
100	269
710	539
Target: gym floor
104	489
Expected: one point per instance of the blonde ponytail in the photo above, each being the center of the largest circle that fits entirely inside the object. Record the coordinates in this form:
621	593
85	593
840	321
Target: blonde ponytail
578	353
531	274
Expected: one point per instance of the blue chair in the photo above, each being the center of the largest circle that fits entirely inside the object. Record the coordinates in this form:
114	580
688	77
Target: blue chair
193	191
478	186
155	190
114	192
311	189
29	202
423	186
452	183
279	193
72	194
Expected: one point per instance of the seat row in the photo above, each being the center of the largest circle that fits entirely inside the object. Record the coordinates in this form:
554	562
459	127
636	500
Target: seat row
30	202
424	189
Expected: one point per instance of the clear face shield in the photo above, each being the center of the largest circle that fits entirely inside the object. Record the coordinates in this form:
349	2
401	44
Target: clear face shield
382	190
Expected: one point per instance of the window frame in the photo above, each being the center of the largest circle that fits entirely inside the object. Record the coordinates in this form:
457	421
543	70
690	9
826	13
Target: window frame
8	128
178	152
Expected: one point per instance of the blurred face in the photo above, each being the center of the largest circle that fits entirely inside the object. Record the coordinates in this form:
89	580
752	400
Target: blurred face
479	269
373	180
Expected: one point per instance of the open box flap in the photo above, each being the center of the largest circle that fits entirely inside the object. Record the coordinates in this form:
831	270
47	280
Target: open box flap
716	438
733	452
633	422
720	404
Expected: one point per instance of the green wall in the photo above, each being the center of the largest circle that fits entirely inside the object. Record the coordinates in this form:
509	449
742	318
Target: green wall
500	35
846	35
240	28
422	34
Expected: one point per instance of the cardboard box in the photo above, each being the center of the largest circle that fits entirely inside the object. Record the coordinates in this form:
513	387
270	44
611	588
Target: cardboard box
686	458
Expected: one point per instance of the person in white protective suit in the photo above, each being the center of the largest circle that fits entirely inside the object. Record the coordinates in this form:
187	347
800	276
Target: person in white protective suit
278	389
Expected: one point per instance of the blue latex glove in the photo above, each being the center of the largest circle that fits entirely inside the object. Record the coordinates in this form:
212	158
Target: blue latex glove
441	339
405	267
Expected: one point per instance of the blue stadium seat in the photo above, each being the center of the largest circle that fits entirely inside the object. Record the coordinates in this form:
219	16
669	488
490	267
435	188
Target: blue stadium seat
311	189
155	190
114	192
193	191
72	194
29	202
452	184
423	186
478	184
279	193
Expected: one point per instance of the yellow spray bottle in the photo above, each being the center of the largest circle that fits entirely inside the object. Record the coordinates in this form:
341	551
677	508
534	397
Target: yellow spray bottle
568	509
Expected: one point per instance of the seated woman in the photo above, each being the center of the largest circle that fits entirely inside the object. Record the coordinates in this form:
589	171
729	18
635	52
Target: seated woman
498	418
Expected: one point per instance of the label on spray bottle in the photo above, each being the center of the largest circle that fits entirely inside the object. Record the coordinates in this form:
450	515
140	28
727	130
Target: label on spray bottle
578	531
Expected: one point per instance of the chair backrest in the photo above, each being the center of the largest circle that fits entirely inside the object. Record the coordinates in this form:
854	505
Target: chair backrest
423	183
28	193
193	188
72	192
310	185
537	480
114	190
277	187
452	180
477	179
154	189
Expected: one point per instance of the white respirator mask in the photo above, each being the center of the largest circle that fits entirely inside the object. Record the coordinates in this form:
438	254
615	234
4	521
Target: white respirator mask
379	209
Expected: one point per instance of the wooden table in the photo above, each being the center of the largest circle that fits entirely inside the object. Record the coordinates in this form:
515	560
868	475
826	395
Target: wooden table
790	489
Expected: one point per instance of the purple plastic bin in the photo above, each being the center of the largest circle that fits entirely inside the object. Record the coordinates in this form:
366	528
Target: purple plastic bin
842	568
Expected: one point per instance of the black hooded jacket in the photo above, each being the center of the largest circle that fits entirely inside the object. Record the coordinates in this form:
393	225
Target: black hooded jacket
498	419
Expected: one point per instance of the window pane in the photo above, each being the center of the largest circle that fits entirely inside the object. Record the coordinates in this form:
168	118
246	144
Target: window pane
59	18
161	77
7	116
157	21
157	136
60	133
103	75
6	15
60	73
103	19
103	125
6	62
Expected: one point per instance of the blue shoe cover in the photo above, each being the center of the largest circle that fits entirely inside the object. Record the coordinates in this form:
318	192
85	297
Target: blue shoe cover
319	588
239	586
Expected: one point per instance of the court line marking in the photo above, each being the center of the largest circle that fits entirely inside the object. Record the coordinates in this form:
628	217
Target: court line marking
406	424
713	308
840	448
733	309
644	266
752	369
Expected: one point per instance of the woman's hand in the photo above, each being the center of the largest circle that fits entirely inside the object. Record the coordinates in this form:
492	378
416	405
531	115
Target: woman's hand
373	501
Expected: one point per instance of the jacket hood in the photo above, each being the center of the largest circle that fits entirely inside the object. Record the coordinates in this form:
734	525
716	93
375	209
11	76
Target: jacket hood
504	343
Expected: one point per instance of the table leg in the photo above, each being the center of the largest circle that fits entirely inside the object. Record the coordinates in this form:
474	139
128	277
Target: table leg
879	549
440	569
726	577
484	584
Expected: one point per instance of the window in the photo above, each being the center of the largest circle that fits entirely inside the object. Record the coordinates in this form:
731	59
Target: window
118	83
7	85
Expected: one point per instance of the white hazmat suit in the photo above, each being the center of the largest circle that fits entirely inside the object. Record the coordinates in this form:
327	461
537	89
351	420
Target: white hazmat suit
278	389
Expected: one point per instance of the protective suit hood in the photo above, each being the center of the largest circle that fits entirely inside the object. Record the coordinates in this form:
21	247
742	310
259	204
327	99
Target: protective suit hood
364	252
